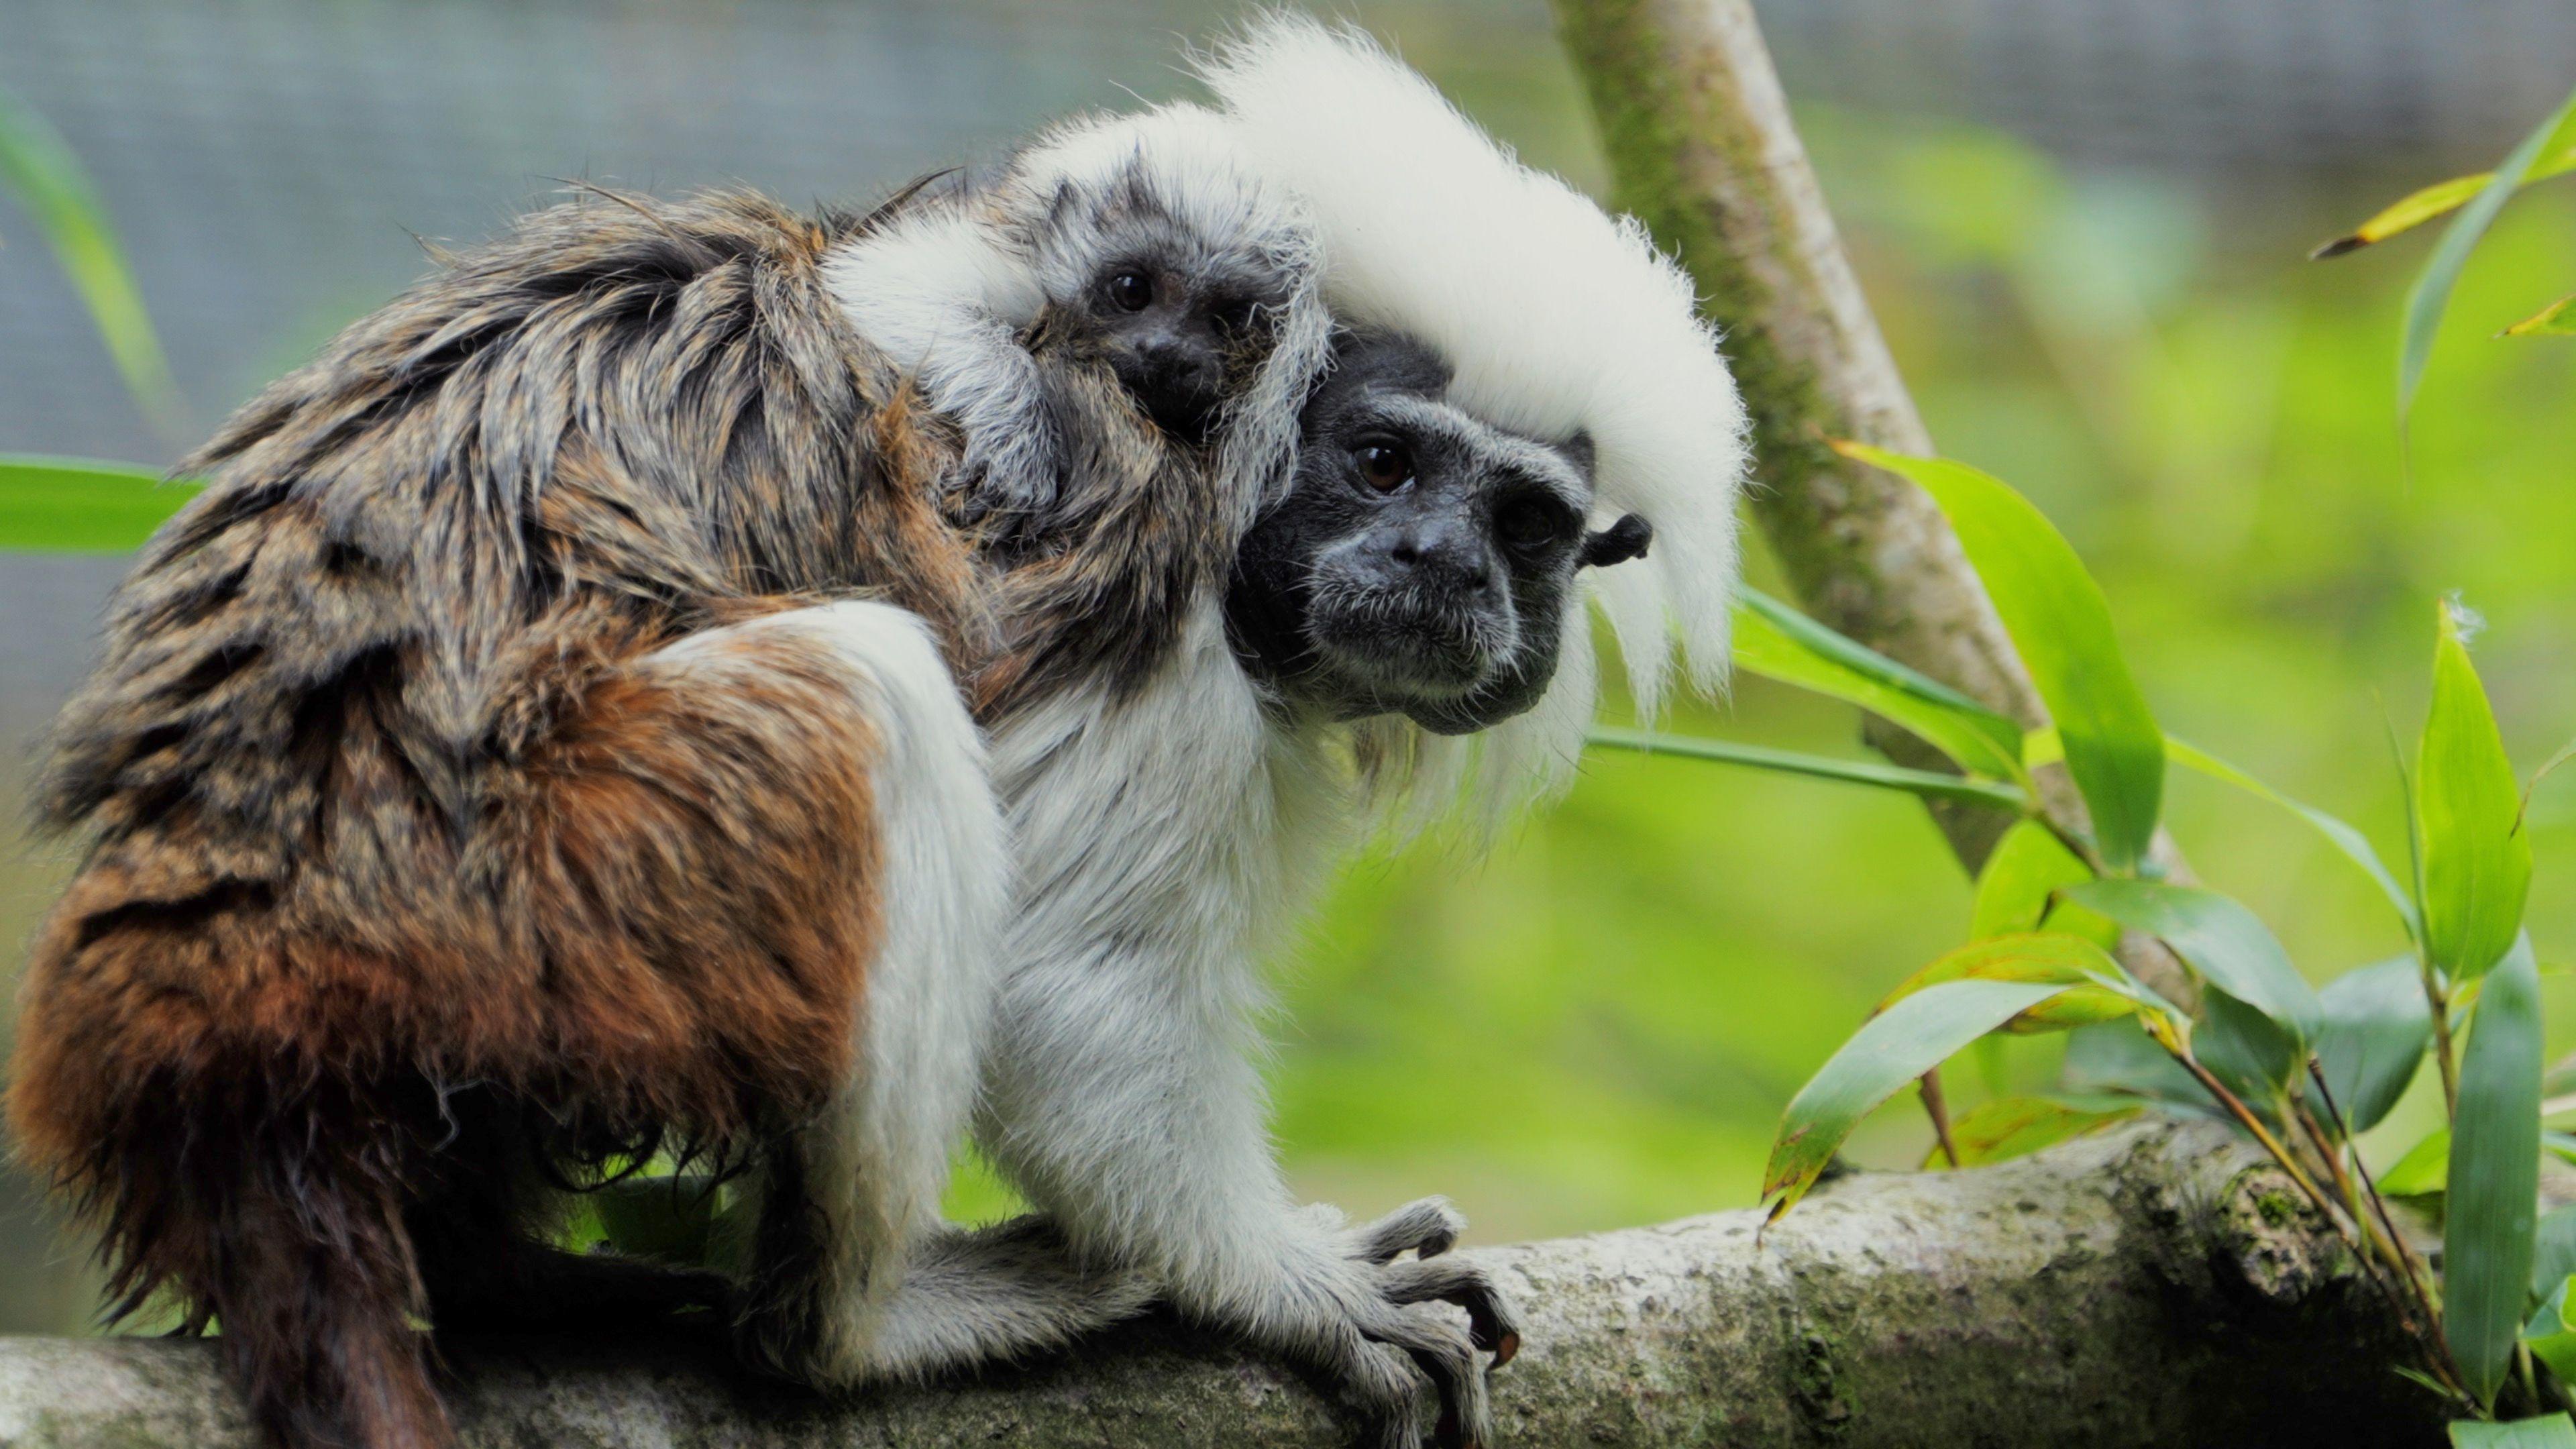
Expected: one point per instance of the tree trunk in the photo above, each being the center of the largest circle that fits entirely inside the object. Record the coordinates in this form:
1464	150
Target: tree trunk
1702	149
2155	1286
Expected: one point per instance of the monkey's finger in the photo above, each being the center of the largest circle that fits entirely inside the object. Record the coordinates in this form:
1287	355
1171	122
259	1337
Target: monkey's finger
1489	1311
1448	1358
1387	1390
1429	1228
1449	1430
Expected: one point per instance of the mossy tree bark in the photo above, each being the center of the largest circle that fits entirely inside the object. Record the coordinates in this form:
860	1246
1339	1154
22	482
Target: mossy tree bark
2156	1286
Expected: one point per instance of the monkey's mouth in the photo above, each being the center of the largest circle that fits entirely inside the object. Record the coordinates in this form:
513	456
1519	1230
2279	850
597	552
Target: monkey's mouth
1401	647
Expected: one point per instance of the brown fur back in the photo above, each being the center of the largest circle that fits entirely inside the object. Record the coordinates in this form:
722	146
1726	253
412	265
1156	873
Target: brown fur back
336	690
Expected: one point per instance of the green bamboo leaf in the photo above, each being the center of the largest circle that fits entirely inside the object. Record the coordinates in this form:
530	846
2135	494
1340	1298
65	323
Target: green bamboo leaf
2097	989
2551	1431
1776	641
2490	1215
2018	889
2557	158
2217	938
2008	1127
2423	1171
1929	783
2059	621
2432	292
1861	659
2477	862
1891	1049
2257	1059
69	505
2355	845
40	167
2377	1029
2406	213
2558	319
2042	747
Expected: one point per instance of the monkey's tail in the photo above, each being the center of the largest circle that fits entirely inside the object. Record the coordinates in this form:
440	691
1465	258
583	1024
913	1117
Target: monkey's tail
314	1297
287	1234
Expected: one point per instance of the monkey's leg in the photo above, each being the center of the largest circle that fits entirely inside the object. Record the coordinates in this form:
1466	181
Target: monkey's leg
1128	1110
849	1194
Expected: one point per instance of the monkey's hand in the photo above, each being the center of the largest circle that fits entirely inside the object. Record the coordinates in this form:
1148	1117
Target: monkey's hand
1363	1313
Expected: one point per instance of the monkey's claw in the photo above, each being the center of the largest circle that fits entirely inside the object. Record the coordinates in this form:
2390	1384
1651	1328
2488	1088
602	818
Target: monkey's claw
1404	1339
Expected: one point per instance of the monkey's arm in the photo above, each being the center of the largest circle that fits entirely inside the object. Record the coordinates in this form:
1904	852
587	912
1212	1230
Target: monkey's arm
1121	1092
1139	1123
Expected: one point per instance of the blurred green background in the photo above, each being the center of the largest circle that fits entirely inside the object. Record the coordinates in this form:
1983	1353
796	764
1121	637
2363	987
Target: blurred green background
1598	1022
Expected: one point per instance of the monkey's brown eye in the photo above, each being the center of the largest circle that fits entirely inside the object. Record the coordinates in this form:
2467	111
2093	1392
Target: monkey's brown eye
1383	466
1131	291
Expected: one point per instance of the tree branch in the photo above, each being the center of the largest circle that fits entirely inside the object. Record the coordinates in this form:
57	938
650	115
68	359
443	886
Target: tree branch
2158	1285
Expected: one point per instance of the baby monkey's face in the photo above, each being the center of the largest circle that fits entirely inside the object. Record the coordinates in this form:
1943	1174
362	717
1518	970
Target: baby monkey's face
1182	339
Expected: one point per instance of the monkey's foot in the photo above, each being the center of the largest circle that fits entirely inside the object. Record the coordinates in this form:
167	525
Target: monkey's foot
1392	1340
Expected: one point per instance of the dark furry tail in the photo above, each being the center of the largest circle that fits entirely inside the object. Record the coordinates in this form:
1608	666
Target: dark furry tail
313	1299
288	1235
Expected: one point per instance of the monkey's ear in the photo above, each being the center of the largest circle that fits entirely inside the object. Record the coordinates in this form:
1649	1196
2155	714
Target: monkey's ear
1580	449
1620	542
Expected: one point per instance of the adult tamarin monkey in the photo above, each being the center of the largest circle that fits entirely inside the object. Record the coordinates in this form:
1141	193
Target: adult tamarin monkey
545	738
1521	386
709	865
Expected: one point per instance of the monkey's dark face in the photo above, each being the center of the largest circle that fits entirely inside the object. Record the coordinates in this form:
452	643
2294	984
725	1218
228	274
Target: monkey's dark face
1423	561
1181	338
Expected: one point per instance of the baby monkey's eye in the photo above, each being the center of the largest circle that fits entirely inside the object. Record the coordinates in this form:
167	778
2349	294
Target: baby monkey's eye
1131	291
1383	466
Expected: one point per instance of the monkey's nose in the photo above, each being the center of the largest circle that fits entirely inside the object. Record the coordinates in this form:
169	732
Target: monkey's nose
1444	552
1180	386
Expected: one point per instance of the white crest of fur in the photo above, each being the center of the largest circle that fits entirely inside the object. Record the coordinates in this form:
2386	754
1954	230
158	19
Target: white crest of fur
1556	318
948	287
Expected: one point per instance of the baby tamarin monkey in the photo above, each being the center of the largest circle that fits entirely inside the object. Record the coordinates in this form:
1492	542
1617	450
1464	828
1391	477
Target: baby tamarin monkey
1138	244
549	736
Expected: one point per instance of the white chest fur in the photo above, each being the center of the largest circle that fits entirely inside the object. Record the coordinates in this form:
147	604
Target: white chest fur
1163	842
